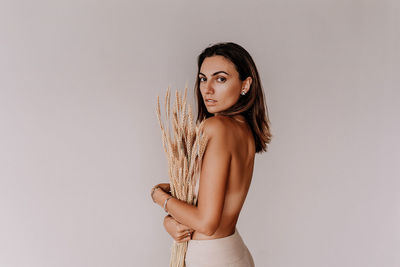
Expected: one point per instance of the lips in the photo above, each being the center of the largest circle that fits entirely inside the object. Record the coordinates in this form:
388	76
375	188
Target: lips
210	102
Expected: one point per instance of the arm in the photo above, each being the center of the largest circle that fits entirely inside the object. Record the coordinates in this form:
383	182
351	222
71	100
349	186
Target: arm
178	231
206	216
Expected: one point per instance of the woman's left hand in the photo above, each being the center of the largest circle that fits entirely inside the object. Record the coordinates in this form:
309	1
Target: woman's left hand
158	194
165	187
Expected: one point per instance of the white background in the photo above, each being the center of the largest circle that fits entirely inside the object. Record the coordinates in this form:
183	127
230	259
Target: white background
80	146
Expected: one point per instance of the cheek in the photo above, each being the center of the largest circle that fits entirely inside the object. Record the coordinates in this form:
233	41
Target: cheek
233	99
233	95
231	91
203	88
226	88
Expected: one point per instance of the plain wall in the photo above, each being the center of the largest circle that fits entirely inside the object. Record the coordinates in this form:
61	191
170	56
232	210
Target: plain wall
80	145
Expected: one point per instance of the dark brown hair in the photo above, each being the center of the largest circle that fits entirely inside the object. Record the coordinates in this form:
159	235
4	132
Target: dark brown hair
251	105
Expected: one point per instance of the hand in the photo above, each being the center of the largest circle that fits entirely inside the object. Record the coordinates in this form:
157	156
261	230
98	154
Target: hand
158	195
166	187
179	232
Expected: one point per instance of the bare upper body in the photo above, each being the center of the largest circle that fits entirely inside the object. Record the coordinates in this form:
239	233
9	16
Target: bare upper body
228	161
225	178
226	175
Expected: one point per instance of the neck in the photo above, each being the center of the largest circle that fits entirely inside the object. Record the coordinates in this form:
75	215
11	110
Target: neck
238	117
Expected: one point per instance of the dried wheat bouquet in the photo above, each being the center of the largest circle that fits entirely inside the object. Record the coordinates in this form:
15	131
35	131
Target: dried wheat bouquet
184	149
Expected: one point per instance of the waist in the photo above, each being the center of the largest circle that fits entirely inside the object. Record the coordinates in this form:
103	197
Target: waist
222	249
217	235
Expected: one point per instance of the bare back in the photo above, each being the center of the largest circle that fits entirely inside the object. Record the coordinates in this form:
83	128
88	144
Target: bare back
240	143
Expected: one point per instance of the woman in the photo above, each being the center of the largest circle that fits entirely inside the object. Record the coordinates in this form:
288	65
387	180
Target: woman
231	100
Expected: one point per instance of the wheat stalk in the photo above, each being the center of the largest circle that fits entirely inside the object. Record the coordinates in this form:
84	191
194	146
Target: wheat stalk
184	150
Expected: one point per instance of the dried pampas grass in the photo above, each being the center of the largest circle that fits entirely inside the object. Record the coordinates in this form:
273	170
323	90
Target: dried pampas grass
184	150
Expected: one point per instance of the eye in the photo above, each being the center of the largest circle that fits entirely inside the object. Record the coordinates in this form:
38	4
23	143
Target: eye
221	79
201	79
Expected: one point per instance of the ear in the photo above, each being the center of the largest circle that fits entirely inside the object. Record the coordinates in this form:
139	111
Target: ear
246	84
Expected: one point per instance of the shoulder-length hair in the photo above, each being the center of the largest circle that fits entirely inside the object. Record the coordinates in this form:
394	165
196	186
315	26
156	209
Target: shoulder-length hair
251	105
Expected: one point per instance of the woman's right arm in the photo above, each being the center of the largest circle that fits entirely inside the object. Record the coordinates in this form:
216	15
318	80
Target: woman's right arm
206	216
178	231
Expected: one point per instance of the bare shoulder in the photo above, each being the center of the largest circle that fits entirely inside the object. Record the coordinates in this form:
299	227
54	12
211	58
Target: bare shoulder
216	127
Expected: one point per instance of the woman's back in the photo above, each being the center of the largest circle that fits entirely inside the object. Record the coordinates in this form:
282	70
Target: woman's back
239	142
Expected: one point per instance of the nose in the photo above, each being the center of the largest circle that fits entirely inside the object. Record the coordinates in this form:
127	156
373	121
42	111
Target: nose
208	88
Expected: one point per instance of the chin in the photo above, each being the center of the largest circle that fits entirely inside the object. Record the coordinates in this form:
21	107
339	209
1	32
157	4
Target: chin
212	110
215	110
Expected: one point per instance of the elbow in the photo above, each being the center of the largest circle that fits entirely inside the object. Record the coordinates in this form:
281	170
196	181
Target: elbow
209	228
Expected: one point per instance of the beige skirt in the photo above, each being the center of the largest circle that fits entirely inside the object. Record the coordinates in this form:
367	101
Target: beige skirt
222	252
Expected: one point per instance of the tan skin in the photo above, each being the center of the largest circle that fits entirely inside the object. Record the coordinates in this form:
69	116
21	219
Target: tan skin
227	166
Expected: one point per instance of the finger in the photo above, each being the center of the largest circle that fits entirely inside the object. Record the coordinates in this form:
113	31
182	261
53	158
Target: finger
165	187
179	238
182	227
185	231
183	235
184	239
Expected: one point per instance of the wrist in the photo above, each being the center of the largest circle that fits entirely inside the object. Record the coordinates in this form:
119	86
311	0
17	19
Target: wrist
161	196
165	204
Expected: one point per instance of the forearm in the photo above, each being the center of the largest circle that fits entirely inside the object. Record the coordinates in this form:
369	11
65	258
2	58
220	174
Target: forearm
186	214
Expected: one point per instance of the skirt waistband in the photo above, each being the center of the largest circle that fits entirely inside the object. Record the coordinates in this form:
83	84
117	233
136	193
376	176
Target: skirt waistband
225	250
220	241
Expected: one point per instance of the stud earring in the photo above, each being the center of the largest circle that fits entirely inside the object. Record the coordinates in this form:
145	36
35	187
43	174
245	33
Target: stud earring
243	92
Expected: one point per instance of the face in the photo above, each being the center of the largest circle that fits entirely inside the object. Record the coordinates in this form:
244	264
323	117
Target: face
220	85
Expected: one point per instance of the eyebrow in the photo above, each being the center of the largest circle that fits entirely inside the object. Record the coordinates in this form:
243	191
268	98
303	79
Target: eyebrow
215	73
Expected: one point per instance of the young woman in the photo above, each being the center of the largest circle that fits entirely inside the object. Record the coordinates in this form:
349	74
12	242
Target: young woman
231	100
